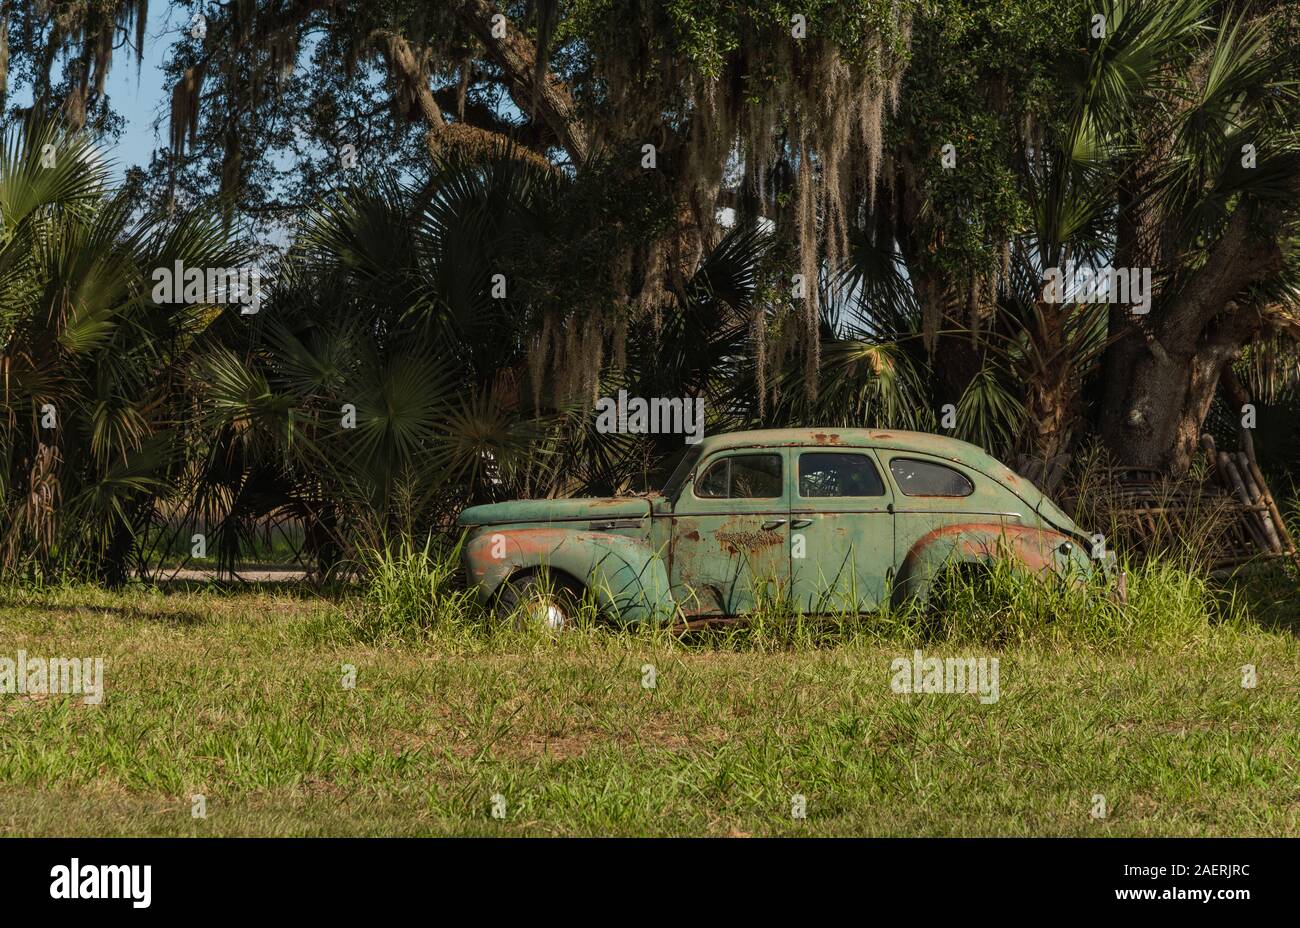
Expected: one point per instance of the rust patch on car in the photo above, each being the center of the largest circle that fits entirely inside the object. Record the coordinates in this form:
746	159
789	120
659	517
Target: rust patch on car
692	535
520	542
735	542
1029	545
824	439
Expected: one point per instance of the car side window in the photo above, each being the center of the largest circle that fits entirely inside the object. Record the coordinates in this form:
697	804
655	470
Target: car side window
925	478
824	474
742	476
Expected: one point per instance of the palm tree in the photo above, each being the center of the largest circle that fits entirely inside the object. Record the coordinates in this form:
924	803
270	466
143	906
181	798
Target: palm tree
876	372
1178	158
92	404
1207	183
382	390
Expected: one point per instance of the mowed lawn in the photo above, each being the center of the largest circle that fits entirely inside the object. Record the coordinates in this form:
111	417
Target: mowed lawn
241	697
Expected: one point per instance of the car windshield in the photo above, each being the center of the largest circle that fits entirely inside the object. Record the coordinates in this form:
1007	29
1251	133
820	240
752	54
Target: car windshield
690	456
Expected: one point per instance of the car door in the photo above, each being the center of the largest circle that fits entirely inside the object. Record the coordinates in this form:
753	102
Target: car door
729	536
841	531
933	494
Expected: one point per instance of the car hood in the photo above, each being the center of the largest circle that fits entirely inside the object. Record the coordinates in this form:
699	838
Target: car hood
557	510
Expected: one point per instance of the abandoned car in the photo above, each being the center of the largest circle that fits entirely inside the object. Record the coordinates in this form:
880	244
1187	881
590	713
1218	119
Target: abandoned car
835	520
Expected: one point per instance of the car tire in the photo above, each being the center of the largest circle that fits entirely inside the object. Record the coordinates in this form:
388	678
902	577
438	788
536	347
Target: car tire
533	599
939	598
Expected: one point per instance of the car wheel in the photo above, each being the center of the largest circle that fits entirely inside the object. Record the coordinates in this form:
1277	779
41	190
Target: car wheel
943	588
539	601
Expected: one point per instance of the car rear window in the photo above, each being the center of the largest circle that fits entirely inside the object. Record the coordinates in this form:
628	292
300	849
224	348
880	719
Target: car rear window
742	476
823	474
925	478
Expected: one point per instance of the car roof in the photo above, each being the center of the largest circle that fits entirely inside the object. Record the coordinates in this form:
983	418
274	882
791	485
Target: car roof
940	445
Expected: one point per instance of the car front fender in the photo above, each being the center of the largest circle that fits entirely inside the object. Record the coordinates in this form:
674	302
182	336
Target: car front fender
628	579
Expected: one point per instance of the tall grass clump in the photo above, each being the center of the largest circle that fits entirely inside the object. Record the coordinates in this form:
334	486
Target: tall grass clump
1004	604
410	592
33	578
1170	602
414	595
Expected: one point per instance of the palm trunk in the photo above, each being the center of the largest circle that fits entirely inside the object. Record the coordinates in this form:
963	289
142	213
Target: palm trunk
1049	399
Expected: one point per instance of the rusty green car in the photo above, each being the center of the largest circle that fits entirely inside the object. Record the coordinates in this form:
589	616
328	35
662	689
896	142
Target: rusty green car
835	520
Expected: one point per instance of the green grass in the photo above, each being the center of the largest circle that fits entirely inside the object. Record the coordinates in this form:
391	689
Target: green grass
240	697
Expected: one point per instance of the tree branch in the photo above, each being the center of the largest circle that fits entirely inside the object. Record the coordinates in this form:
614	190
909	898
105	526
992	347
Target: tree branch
405	67
548	100
1236	262
535	135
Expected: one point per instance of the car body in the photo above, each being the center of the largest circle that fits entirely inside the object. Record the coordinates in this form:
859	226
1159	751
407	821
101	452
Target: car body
835	519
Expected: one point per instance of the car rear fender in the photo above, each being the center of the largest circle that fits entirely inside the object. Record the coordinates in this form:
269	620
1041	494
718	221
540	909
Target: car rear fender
1037	549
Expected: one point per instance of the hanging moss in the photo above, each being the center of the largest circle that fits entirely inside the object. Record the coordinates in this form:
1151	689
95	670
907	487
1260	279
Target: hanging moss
715	80
89	30
185	108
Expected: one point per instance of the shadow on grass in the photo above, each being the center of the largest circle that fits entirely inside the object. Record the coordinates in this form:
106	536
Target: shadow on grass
62	607
297	587
1270	594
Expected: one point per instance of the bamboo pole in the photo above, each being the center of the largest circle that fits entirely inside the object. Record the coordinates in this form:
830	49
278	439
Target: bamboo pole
1256	498
1249	444
1226	466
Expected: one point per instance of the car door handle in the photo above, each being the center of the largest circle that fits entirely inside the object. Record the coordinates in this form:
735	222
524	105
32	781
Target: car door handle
801	523
775	523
